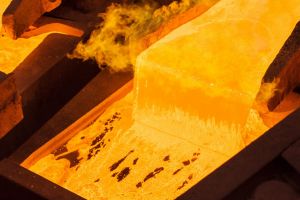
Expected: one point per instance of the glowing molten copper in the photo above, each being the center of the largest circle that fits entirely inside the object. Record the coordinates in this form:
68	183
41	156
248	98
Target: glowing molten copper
190	109
13	52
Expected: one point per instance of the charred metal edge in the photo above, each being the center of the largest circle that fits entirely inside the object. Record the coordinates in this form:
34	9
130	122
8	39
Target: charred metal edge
236	171
17	182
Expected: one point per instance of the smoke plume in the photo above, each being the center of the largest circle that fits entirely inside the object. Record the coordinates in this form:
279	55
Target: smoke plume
114	42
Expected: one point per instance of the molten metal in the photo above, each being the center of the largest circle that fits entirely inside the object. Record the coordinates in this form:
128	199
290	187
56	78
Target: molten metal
190	110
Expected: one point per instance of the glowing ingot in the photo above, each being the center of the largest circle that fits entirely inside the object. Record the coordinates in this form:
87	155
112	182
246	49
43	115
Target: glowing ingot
206	73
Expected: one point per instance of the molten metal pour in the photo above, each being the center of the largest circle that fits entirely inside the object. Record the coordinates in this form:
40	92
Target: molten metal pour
189	111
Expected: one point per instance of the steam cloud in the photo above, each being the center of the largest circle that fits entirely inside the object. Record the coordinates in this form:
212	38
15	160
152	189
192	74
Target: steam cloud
114	42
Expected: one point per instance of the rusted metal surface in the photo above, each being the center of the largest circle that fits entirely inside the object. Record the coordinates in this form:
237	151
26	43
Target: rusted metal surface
10	105
20	14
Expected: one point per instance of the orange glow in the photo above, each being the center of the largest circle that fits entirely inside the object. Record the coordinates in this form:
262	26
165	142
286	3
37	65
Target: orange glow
212	66
179	163
190	109
116	42
13	52
3	6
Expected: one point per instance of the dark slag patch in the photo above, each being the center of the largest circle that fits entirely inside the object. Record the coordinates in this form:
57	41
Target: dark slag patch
98	139
135	161
139	185
116	164
152	174
178	170
196	154
60	150
123	174
187	162
72	157
167	158
99	142
183	184
114	174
